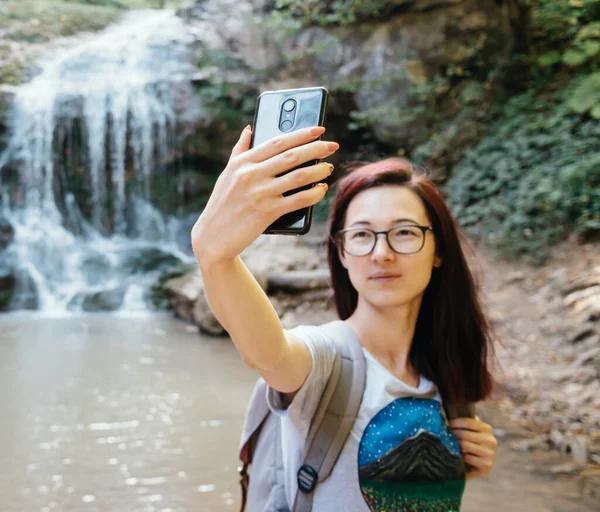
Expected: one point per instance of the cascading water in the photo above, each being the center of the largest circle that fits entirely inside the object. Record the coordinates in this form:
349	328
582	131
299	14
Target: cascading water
88	135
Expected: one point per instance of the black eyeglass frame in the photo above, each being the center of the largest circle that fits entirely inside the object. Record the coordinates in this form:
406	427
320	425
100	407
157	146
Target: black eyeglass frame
424	229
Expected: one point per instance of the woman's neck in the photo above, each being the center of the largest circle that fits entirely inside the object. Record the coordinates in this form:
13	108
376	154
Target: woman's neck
387	334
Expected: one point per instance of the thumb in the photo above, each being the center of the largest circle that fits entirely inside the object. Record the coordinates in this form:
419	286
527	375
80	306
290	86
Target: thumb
243	144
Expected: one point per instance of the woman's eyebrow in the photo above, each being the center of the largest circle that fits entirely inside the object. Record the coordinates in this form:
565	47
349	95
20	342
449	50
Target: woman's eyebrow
396	221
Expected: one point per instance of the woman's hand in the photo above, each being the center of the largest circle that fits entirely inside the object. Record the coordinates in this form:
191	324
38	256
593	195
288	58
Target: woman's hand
248	195
477	444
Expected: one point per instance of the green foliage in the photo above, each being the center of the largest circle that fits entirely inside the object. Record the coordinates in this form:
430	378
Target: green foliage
38	21
586	96
533	179
227	101
566	29
102	3
131	4
329	12
565	41
12	72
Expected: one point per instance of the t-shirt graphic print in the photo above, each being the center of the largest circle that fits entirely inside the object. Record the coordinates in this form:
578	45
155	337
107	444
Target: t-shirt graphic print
409	459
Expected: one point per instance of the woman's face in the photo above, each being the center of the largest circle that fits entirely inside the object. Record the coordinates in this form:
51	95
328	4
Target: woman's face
379	209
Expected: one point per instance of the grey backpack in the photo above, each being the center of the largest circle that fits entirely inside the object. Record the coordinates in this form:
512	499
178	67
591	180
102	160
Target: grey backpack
330	427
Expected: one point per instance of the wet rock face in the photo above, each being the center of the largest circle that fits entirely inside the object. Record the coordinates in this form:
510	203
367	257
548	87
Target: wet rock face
7	288
17	287
149	259
7	233
6	98
105	300
420	73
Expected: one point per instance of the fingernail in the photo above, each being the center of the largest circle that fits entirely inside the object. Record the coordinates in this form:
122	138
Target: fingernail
332	146
330	167
325	186
317	130
249	127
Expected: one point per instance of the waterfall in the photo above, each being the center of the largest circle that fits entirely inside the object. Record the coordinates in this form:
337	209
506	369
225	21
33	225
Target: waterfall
87	135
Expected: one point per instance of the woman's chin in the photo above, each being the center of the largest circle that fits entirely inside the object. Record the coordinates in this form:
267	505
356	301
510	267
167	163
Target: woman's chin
389	299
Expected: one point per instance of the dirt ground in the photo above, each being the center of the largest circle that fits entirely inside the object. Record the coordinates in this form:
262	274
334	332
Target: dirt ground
521	301
522	482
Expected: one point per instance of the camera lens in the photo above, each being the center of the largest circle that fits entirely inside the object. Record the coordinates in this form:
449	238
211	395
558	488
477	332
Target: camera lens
286	125
289	105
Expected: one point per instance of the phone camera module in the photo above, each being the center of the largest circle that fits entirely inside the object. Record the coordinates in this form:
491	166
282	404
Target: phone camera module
289	105
288	115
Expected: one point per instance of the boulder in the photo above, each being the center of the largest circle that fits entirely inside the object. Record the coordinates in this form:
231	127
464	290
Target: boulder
274	253
299	280
110	299
280	264
188	300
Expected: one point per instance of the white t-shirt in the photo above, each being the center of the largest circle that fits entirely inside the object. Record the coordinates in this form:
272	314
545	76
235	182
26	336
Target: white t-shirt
400	454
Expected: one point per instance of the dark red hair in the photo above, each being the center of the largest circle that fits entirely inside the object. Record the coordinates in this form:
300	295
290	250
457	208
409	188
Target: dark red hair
452	337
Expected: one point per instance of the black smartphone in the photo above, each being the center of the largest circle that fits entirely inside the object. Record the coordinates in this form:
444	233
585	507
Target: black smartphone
285	111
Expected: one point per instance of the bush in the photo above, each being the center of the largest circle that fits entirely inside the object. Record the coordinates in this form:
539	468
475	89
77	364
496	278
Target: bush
533	179
330	12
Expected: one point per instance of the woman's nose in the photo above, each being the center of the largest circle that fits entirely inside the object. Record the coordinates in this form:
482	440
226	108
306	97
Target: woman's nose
382	250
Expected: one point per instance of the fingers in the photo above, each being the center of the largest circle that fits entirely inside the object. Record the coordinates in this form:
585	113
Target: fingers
295	157
467	447
471	424
469	435
488	442
302	177
481	465
303	198
282	143
243	143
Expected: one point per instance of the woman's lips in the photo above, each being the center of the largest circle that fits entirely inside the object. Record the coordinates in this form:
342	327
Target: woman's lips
384	277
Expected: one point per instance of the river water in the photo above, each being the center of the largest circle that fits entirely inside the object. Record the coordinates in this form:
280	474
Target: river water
115	413
109	413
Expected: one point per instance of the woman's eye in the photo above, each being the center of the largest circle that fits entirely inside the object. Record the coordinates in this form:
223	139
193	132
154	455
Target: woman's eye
360	234
405	233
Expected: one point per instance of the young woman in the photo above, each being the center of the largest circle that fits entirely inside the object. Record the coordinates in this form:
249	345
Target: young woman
401	283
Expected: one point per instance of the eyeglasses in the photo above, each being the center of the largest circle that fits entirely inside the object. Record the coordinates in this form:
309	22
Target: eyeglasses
405	239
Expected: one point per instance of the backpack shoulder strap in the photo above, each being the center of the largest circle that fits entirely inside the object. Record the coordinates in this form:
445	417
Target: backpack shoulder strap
256	414
459	410
335	414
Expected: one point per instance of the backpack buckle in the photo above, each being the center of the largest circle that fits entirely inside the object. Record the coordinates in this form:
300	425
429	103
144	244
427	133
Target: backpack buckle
307	478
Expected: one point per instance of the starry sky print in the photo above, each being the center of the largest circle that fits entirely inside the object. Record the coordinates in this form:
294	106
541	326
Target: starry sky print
398	421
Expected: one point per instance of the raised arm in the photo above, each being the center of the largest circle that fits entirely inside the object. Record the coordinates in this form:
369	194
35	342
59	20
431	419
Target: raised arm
247	198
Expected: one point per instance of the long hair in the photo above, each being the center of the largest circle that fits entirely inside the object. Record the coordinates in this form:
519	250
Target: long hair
452	337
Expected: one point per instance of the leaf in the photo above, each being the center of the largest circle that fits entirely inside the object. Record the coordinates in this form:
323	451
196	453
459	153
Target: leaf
574	57
590	48
549	59
589	31
595	112
586	95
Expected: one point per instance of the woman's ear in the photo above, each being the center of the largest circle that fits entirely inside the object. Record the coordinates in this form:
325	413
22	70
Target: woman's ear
437	262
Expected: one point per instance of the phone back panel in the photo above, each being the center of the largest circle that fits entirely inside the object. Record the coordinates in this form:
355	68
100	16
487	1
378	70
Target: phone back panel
310	108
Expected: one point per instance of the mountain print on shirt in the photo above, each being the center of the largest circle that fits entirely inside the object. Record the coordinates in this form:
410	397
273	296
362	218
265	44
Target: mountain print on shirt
409	460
